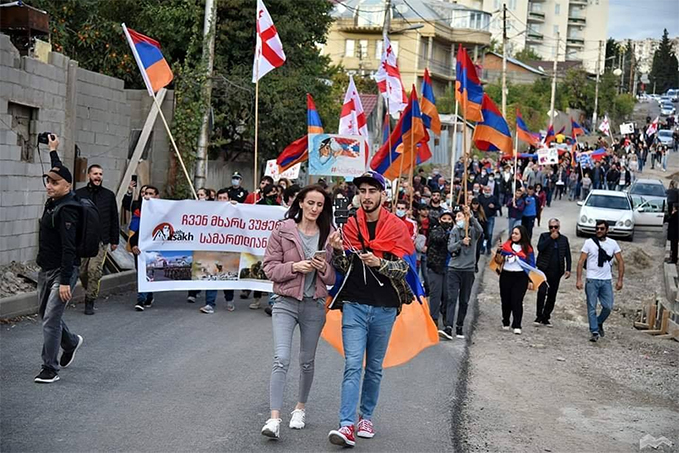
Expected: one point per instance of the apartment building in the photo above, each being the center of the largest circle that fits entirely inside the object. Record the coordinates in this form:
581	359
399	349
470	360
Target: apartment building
644	49
423	34
534	24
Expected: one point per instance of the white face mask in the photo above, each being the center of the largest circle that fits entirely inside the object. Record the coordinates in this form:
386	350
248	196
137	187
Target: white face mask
460	223
235	182
400	213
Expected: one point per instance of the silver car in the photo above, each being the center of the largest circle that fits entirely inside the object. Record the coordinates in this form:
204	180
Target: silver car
649	189
666	138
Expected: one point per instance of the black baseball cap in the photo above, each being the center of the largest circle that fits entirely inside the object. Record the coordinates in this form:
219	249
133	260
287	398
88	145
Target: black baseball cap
236	175
371	177
58	173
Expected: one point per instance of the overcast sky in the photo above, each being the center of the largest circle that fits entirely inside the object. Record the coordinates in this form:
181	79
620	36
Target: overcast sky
639	19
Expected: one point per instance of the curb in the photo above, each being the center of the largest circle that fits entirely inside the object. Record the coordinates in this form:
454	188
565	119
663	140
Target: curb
27	303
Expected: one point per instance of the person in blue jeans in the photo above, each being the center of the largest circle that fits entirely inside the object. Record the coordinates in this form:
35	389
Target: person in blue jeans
530	211
370	254
144	300
598	253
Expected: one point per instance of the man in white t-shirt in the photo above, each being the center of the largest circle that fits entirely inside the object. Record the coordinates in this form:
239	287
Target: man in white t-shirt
599	252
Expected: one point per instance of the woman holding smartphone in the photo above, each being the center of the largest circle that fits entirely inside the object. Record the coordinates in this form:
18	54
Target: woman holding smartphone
297	261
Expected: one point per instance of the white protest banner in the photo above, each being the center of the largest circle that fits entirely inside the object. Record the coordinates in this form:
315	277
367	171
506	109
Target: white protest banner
627	128
336	155
548	156
272	170
192	244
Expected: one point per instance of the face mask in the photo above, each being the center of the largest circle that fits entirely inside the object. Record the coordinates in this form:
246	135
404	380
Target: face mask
235	182
446	225
487	195
400	213
475	191
460	223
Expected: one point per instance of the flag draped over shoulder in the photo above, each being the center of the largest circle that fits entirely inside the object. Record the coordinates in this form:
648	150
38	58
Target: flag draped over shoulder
154	69
298	151
526	261
269	53
525	135
413	329
430	115
468	89
492	134
405	137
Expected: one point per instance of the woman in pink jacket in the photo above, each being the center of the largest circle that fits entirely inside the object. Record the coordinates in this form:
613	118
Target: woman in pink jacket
297	261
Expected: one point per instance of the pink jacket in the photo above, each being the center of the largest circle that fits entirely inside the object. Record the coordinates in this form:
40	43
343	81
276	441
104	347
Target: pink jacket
284	249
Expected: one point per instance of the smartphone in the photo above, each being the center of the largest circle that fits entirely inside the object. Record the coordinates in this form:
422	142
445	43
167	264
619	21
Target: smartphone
320	254
134	178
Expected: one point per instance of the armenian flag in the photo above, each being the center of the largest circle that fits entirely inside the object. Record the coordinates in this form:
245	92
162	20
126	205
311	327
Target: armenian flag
154	69
576	130
550	136
430	115
492	134
522	131
468	89
525	260
298	151
405	137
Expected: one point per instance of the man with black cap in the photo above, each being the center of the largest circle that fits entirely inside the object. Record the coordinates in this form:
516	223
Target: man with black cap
105	201
58	263
370	252
236	192
437	264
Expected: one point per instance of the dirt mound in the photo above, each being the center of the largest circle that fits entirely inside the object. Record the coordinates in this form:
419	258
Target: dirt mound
639	261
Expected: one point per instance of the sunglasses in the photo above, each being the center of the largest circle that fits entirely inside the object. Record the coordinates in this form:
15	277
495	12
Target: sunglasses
601	228
554	227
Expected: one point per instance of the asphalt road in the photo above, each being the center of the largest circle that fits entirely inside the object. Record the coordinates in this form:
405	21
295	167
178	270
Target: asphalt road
173	379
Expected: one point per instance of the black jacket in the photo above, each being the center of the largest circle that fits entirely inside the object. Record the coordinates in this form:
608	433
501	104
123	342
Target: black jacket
57	238
485	201
545	250
105	201
437	249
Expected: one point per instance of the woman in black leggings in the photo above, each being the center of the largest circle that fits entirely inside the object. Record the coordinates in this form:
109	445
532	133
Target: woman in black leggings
514	279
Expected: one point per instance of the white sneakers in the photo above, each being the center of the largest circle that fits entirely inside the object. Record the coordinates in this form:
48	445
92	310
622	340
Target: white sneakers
272	428
517	331
297	420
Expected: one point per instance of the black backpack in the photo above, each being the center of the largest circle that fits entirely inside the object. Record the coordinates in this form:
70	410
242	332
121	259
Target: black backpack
88	232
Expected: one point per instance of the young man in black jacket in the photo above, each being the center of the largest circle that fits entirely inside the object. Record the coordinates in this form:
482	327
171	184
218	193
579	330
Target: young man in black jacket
58	263
437	264
554	259
105	201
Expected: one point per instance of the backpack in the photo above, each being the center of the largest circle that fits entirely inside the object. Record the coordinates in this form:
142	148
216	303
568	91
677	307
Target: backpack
88	234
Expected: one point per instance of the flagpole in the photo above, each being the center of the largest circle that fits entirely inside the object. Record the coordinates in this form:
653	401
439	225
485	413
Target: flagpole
174	145
254	175
412	156
466	163
516	158
452	154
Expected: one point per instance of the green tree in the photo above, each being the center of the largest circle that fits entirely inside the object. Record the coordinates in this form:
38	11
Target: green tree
612	54
665	68
527	54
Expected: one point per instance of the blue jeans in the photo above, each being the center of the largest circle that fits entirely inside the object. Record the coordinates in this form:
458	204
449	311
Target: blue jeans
365	332
211	296
603	291
490	226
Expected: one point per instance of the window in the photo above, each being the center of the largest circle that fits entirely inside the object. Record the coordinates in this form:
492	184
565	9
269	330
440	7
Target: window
370	16
512	5
536	7
378	49
363	48
349	45
556	30
23	118
496	4
557	9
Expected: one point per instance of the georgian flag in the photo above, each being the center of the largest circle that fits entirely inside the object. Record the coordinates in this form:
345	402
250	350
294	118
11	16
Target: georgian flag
605	126
388	80
653	127
269	51
352	117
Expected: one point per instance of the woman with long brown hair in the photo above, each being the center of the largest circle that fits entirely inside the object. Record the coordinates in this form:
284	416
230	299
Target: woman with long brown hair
297	261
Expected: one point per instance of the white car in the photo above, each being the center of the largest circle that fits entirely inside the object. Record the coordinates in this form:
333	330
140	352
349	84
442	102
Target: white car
619	212
667	109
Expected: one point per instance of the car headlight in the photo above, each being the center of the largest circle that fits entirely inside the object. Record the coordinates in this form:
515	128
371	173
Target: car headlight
583	219
619	223
628	223
591	221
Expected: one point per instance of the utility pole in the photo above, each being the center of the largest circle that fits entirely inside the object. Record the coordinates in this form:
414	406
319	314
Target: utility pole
596	89
553	98
380	99
632	88
504	60
209	30
621	62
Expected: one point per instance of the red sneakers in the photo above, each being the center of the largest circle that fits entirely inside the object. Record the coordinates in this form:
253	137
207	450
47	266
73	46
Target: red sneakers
343	437
365	429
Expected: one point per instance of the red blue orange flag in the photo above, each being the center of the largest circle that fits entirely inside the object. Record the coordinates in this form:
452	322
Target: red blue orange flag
561	131
154	69
576	129
430	115
468	89
405	137
522	131
297	151
492	134
550	137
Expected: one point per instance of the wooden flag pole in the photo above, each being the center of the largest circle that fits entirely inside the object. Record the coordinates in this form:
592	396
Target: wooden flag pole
516	158
452	153
174	145
255	175
466	159
413	147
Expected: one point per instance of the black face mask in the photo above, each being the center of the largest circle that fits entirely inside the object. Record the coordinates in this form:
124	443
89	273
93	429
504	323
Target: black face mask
446	225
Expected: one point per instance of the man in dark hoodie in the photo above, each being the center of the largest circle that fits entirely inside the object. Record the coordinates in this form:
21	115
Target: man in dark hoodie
105	201
58	263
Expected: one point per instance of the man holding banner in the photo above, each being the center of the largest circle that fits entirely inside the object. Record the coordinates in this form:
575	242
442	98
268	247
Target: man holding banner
371	255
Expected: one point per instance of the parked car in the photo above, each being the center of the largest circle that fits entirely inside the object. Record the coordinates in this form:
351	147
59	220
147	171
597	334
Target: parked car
667	109
619	212
666	137
650	189
673	94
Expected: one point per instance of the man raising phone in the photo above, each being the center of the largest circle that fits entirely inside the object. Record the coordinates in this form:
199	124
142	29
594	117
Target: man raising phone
370	254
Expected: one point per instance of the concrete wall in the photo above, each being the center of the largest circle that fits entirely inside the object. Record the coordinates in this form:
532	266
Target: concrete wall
84	108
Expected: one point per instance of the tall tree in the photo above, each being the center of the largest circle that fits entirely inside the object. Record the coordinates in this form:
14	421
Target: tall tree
665	68
612	54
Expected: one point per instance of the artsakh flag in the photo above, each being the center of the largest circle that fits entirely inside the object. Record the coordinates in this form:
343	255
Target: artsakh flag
430	115
352	116
269	53
388	80
468	89
154	69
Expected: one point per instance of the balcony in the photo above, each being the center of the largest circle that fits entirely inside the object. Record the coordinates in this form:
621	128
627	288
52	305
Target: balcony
533	37
536	16
436	67
575	42
578	2
576	20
